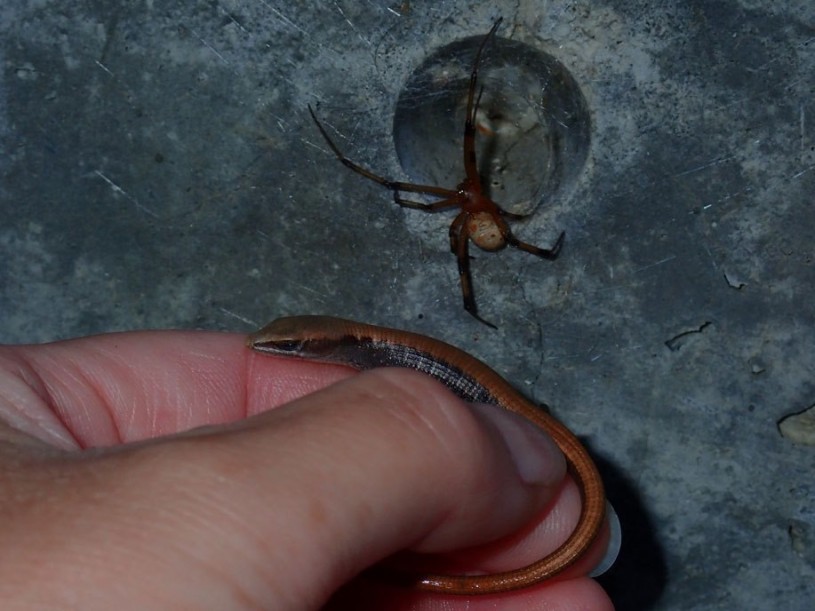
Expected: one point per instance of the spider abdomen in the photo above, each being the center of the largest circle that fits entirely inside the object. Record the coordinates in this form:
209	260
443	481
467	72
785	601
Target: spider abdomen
485	231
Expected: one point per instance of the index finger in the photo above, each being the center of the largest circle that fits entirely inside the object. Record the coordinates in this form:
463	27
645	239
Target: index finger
122	387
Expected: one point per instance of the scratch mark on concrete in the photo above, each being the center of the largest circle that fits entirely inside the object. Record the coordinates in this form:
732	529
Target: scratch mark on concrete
321	296
353	27
657	263
209	46
284	19
117	189
705	166
231	17
104	67
238	317
802	172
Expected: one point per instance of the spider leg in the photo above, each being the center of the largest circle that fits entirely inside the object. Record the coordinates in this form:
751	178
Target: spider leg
390	184
513	216
470	162
455	233
550	253
439	205
459	244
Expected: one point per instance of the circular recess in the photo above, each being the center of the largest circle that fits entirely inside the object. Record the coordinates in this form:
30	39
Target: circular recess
532	125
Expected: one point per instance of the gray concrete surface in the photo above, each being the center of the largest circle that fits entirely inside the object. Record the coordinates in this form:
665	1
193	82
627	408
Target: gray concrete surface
160	170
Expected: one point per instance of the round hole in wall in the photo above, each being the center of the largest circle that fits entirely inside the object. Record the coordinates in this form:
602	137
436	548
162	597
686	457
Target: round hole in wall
532	124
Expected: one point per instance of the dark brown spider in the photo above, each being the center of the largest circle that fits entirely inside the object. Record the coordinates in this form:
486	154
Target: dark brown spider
481	219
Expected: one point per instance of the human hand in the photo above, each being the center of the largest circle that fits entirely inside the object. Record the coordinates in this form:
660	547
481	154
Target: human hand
148	470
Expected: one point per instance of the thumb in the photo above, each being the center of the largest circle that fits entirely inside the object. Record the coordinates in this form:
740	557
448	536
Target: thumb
390	460
280	509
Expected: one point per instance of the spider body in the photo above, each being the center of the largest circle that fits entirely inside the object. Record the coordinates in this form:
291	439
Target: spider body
480	219
484	231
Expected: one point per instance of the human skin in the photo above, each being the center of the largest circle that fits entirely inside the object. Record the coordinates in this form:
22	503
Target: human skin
170	470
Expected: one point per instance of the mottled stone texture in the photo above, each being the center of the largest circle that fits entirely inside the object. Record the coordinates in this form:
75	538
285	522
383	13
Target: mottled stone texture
159	169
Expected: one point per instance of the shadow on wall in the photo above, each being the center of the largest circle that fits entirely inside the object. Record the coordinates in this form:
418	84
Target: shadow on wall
640	574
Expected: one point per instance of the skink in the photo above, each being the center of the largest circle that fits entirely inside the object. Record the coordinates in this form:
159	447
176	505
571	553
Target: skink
362	346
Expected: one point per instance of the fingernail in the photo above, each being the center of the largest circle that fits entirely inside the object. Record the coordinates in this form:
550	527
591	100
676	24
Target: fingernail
537	458
615	542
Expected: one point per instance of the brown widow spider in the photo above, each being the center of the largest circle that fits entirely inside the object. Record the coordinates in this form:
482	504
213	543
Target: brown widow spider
481	219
